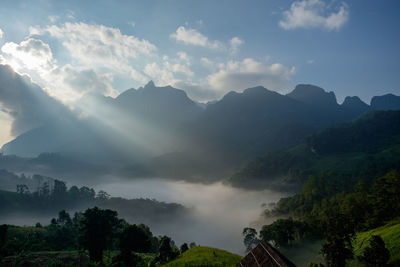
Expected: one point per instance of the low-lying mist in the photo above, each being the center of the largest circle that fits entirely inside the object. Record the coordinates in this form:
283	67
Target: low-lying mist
219	212
213	215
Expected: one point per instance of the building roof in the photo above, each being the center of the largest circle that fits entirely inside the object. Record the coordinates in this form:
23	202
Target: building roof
264	255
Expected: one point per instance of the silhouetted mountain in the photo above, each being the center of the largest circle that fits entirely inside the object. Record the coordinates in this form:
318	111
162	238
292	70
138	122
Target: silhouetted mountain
137	124
166	105
386	102
240	127
355	105
314	95
159	131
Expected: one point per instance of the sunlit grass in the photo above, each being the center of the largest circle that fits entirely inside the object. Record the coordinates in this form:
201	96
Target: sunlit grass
205	256
390	234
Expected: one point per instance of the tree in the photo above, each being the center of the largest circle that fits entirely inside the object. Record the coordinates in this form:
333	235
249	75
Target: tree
87	193
166	252
45	190
102	195
283	231
376	255
133	239
338	248
22	189
250	238
59	194
184	247
3	233
97	229
64	219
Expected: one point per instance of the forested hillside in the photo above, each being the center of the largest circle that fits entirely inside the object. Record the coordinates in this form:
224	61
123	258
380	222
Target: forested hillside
362	149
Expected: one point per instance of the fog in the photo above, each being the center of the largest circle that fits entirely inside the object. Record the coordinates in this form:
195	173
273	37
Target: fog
219	212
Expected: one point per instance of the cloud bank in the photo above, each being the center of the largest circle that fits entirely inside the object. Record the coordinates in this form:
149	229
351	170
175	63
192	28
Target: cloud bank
314	14
189	36
26	103
239	75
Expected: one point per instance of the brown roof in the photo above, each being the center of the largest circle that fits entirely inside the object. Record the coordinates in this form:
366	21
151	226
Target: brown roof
264	255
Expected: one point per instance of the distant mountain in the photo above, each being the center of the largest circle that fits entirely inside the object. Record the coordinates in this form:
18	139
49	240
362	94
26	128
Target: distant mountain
314	95
356	105
361	149
159	131
242	126
166	105
137	124
386	102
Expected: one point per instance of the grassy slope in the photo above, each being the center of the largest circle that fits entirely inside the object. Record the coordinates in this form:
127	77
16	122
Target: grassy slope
204	256
390	233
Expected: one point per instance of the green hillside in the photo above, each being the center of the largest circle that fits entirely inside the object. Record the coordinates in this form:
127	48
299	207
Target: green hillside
205	256
390	234
362	149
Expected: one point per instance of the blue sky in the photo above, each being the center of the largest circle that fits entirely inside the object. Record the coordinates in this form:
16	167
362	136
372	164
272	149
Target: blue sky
204	47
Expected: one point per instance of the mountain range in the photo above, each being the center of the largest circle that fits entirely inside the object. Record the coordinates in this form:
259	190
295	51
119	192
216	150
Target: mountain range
159	131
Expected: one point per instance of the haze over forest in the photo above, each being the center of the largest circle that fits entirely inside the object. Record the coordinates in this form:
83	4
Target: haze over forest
208	122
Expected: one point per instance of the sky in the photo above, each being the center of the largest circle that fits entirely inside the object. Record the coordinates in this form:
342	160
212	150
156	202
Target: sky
206	48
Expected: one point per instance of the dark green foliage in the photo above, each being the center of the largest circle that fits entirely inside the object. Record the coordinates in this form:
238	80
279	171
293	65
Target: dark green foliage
283	232
376	255
385	198
338	247
184	248
64	219
133	239
3	233
324	211
166	251
22	189
94	230
97	229
370	133
360	150
250	238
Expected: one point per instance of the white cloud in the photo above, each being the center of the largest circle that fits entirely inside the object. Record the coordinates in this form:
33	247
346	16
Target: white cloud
183	56
235	43
53	18
314	14
71	82
1	33
193	37
310	61
100	46
165	74
162	76
67	83
199	92
208	63
239	75
31	54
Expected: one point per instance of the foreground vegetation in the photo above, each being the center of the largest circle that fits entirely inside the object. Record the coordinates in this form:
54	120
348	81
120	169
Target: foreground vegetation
88	239
205	256
321	212
390	234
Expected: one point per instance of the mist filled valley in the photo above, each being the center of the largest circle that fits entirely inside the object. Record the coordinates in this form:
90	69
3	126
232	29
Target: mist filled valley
182	133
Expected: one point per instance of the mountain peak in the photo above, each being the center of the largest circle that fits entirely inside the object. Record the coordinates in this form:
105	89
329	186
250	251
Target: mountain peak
386	102
255	90
313	95
351	101
150	84
355	104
